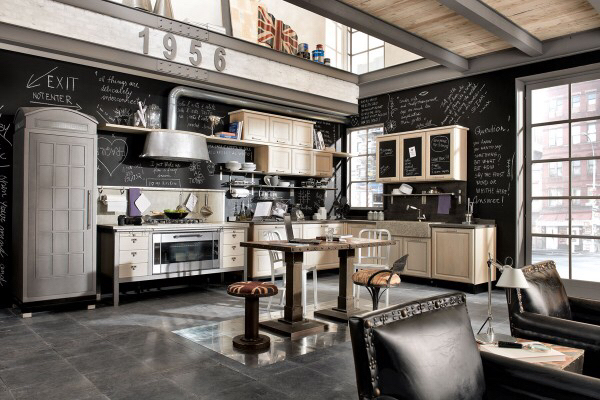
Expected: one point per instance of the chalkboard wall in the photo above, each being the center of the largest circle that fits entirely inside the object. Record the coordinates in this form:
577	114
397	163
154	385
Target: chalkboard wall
486	105
29	81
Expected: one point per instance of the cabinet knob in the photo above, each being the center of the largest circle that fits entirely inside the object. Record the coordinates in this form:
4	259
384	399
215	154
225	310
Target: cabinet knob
233	258
233	247
134	253
133	240
133	266
234	235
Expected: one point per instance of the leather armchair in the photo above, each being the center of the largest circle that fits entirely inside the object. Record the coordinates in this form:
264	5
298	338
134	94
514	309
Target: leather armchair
426	350
544	312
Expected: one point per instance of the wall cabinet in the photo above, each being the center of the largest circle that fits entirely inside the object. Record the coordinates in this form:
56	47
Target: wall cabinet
323	164
460	254
435	154
256	126
302	134
274	160
302	162
280	130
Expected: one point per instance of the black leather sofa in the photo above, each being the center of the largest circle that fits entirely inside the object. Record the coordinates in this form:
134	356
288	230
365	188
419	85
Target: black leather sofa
426	350
544	312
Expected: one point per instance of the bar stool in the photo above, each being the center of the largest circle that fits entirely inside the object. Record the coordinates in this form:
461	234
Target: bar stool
375	280
251	292
276	257
373	258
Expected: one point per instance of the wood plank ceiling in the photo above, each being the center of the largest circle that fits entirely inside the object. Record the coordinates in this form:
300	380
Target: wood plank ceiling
430	20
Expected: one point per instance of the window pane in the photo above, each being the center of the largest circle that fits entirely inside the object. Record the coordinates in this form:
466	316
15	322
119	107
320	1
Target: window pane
375	196
376	59
584	99
358	195
584	139
550	141
359	64
549	104
359	42
372	134
583	180
584	259
585	218
550	216
358	141
371	168
374	42
550	179
358	168
550	248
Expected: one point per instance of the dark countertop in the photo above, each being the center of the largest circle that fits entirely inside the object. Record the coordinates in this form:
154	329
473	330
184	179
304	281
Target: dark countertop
463	226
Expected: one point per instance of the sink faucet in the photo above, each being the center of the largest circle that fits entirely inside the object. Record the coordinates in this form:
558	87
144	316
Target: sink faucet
420	217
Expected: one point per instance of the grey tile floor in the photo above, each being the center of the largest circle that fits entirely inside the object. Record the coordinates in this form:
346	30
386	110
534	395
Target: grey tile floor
130	352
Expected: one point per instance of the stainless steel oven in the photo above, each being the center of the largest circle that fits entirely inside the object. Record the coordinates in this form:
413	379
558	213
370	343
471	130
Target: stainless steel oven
185	251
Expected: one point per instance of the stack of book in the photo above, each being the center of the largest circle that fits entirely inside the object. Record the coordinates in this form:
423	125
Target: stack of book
235	131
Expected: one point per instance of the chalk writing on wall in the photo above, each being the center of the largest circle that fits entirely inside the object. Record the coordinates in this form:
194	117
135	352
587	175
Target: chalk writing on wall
53	88
111	153
5	157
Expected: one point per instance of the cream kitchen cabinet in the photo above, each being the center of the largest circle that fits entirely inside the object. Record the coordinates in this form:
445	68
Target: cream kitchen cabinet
412	156
419	255
460	254
274	160
322	259
256	126
232	254
323	164
387	158
280	130
302	134
302	162
447	153
261	262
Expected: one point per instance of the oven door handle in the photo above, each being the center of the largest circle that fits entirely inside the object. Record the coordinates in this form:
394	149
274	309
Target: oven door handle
186	236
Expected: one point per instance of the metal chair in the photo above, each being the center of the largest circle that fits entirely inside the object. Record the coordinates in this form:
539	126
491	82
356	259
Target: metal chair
277	257
373	257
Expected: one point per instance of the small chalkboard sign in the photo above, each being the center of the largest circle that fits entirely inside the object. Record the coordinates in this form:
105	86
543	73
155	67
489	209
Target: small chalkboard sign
439	154
412	157
387	158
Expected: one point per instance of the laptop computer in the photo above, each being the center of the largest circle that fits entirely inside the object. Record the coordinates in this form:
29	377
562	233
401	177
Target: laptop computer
287	220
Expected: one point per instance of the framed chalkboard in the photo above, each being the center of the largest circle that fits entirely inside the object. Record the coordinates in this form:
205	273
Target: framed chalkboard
439	154
412	157
387	157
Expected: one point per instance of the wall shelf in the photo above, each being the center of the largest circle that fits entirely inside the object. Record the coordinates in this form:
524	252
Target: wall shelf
214	139
422	195
279	187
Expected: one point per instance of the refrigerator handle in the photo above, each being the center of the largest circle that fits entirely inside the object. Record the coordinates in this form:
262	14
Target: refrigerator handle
89	209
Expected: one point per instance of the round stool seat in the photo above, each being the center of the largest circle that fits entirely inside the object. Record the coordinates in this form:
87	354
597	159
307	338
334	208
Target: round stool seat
252	289
381	279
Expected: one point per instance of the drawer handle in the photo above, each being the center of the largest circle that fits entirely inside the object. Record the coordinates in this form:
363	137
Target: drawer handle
133	267
279	170
233	247
234	235
233	258
133	240
133	253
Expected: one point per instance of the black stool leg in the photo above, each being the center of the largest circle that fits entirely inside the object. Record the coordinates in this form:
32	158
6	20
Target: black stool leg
251	339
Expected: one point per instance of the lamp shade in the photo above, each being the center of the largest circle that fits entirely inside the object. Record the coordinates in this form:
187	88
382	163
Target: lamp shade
512	278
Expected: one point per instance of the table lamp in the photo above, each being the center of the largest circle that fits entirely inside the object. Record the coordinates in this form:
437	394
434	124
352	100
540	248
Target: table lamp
511	278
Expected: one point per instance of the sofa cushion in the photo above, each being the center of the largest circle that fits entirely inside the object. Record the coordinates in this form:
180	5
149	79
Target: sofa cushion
546	294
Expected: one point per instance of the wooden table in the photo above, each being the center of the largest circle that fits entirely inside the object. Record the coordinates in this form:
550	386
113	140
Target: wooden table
293	323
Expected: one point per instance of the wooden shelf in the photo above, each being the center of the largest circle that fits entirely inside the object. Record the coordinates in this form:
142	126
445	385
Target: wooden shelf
214	139
280	187
420	194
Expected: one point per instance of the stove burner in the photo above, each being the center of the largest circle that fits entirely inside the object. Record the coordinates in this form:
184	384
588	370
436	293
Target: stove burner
183	221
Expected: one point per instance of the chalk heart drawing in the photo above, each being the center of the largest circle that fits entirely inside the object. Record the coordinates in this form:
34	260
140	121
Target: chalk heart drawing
110	154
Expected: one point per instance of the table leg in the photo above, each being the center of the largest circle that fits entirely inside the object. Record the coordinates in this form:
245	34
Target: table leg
293	323
345	307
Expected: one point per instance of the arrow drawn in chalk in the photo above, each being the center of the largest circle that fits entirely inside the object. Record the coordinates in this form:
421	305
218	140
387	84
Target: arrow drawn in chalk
31	84
76	106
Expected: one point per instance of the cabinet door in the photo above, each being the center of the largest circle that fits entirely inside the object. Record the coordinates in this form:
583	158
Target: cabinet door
302	134
256	127
311	231
387	156
302	162
323	164
280	160
440	158
412	157
452	254
261	262
419	256
281	130
61	208
330	258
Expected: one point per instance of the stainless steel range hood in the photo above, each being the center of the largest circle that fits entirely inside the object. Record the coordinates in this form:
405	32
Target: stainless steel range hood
176	146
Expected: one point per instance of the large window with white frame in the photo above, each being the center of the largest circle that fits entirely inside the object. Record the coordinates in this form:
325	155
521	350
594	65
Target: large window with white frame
365	53
563	214
363	191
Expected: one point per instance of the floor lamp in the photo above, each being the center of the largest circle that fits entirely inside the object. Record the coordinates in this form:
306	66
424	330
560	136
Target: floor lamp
511	278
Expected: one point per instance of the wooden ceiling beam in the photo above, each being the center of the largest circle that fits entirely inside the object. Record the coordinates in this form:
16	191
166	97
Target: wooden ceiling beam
490	20
389	33
595	4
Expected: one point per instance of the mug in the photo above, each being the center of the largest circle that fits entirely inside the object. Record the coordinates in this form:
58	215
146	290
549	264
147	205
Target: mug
274	181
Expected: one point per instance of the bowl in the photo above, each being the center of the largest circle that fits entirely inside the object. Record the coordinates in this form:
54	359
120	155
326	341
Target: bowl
406	189
233	165
284	184
173	214
248	165
253	168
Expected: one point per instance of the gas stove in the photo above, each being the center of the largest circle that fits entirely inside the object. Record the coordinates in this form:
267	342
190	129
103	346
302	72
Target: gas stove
169	221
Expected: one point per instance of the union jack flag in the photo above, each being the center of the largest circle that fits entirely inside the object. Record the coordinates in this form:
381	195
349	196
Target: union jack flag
286	39
266	27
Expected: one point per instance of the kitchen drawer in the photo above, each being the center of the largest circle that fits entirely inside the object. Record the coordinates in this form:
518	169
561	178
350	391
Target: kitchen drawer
128	242
233	250
133	256
233	261
233	236
134	234
132	270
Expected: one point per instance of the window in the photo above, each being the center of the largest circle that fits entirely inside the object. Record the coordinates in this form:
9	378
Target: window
562	211
363	191
366	53
335	43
